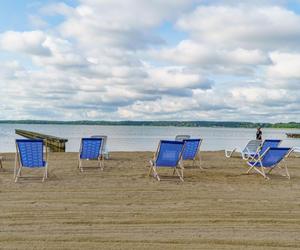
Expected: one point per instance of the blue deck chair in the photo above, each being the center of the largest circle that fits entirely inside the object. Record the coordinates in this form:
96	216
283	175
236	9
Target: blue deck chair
30	154
191	150
91	149
169	155
269	160
268	143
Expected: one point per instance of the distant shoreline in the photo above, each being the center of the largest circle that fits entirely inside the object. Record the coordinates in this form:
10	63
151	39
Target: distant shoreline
218	124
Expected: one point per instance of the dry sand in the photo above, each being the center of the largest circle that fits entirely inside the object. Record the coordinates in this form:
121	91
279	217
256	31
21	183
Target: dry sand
121	208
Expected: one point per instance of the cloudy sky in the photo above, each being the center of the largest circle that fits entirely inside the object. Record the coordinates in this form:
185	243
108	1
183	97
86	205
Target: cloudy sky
150	60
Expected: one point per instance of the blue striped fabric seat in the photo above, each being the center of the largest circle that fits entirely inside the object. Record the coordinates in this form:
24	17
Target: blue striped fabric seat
191	148
272	157
31	153
90	148
169	153
268	143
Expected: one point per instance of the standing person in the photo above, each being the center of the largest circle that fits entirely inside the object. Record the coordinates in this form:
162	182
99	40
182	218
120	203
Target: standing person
259	134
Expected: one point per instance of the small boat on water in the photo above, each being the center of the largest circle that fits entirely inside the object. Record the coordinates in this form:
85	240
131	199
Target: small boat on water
292	135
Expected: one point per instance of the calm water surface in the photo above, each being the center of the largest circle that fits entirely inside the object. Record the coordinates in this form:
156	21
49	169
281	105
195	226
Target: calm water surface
143	138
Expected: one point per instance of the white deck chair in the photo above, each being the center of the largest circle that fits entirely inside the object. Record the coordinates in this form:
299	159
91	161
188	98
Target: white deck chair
182	137
105	151
250	149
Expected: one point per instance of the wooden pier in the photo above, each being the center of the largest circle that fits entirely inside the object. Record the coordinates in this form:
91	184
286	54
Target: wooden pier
293	135
55	144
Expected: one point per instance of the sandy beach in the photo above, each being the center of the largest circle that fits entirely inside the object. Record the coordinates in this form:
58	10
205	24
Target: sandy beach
219	207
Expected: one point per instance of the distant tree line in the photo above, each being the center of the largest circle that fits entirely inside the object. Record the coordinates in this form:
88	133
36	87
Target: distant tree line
161	123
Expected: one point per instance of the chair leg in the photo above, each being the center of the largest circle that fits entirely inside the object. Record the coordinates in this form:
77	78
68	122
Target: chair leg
44	176
200	165
199	162
17	165
286	174
15	172
286	170
45	173
155	173
174	171
179	175
80	166
262	172
102	163
18	174
243	156
181	170
150	170
249	170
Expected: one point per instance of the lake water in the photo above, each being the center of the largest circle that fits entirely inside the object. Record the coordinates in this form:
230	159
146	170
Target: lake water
144	138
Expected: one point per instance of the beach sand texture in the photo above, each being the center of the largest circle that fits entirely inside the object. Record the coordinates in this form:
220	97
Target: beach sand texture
121	208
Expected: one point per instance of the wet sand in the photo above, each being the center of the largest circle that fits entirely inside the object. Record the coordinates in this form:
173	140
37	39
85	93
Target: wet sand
219	207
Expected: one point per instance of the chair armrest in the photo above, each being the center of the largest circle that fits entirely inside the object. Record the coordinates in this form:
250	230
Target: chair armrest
228	153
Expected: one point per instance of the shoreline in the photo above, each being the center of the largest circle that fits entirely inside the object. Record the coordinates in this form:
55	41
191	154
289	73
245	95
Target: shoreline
173	124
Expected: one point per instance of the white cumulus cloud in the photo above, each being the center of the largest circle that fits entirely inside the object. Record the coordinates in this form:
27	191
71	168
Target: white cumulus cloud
160	59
